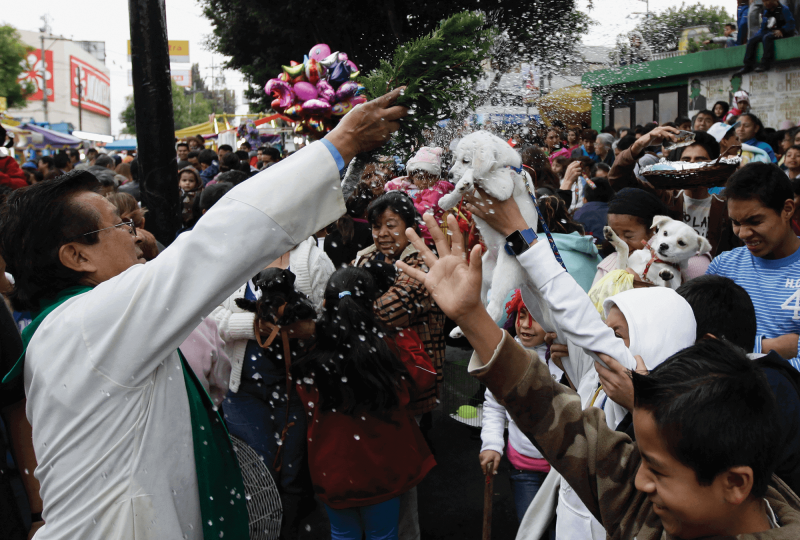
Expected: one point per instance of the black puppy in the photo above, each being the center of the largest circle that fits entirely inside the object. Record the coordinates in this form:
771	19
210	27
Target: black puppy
277	288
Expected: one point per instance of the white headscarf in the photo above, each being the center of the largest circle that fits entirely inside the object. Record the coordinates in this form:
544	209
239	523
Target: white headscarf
660	322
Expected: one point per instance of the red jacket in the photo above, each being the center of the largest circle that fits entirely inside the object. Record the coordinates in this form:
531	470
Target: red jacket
10	173
363	460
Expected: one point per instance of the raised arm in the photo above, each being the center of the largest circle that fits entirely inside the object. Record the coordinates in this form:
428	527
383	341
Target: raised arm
591	457
152	308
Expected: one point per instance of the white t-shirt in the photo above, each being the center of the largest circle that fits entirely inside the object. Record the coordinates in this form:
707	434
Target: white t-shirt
695	214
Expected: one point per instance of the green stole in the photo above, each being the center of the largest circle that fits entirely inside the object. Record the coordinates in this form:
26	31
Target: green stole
223	504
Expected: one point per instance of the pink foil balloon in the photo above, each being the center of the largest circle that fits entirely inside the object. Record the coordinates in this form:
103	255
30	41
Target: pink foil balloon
281	90
319	52
316	107
326	91
305	91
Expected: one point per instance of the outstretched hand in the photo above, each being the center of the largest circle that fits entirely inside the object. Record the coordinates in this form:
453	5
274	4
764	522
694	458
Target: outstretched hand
616	379
454	284
368	126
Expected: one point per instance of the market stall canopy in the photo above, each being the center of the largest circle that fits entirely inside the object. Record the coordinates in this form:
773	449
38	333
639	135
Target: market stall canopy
121	144
200	129
23	137
571	105
52	139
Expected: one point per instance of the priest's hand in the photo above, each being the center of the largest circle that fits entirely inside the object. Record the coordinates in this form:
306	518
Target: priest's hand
368	126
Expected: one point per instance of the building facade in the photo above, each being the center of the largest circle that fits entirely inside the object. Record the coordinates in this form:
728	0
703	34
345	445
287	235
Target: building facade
76	81
661	90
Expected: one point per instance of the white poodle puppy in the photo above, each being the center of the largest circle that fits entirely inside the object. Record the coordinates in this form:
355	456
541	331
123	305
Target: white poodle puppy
487	161
666	258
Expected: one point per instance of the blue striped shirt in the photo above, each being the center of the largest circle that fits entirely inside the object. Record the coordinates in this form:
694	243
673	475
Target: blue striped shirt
773	286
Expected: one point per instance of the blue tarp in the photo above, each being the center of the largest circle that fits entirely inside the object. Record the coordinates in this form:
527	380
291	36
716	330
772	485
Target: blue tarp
122	144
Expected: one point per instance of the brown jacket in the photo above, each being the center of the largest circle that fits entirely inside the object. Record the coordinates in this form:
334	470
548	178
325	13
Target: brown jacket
598	463
408	304
720	231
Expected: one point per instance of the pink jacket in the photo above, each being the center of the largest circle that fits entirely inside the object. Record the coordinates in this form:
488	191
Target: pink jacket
425	200
205	353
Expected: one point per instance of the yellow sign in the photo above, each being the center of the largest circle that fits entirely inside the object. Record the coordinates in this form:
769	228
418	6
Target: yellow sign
178	51
3	104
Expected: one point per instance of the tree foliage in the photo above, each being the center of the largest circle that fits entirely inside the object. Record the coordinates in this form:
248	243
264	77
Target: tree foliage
12	54
438	70
663	31
186	112
259	37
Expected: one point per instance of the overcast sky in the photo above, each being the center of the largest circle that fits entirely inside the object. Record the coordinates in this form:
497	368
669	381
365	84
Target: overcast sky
92	21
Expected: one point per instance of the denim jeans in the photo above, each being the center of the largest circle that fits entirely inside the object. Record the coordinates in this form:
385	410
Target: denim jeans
374	522
525	485
769	49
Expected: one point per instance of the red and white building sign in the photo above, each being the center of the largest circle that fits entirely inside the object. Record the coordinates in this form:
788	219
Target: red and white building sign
32	74
95	87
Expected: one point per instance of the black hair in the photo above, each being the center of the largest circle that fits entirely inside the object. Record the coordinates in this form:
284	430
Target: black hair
229	162
245	144
556	214
725	108
226	147
193	154
48	161
356	206
207	157
601	192
242	155
92	151
600	167
73	153
721	308
212	194
763	181
714	410
182	144
625	142
638	203
61	160
609	129
796	182
104	160
682	120
399	203
34	223
638	130
234	177
760	134
352	365
706	112
775	140
623	128
538	166
589	135
708	142
271	151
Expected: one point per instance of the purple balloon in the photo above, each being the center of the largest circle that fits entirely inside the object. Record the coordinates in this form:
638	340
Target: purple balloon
282	89
346	90
316	106
305	91
326	91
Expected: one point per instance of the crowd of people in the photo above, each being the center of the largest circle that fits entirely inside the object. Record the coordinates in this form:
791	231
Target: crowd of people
310	322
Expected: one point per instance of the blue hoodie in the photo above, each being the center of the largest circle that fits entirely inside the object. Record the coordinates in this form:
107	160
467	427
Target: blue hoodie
580	257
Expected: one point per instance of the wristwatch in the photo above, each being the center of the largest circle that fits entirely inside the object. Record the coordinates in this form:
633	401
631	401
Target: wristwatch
518	242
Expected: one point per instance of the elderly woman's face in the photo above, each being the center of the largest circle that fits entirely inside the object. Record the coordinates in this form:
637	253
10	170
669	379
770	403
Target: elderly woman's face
389	233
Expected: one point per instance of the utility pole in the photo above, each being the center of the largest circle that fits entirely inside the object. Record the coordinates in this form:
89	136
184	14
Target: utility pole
155	125
44	83
80	98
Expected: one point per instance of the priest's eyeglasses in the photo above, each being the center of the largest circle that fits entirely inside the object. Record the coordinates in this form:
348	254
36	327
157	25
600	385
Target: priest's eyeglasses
128	223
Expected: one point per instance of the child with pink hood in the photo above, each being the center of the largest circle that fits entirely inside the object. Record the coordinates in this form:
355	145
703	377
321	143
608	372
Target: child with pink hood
424	184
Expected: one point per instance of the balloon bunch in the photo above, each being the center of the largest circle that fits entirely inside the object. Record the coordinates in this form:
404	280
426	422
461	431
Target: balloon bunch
317	92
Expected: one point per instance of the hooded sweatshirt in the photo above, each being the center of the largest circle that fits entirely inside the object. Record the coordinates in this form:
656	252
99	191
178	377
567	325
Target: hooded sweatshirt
579	255
660	323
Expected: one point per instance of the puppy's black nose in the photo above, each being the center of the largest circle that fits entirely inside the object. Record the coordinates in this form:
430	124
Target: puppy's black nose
663	247
450	174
